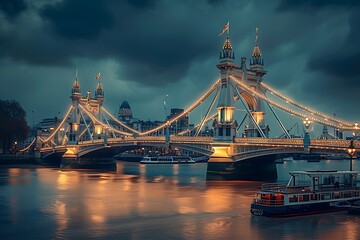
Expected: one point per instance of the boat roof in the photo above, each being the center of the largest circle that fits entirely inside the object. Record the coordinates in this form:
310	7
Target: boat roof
322	172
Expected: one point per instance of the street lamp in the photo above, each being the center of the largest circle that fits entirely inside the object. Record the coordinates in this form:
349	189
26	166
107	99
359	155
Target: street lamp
307	123
356	128
351	151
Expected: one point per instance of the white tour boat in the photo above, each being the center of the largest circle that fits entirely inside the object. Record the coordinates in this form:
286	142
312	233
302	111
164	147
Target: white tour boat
308	192
167	159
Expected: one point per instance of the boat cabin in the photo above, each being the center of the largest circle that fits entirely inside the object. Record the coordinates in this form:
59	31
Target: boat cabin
310	186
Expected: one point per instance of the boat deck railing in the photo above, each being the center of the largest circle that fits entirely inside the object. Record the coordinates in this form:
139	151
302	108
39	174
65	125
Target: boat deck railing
269	202
283	188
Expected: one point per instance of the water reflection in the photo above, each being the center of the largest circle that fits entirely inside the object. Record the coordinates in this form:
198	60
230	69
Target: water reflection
151	202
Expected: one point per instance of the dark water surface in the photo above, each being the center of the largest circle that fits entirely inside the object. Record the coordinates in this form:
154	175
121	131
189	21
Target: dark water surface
152	202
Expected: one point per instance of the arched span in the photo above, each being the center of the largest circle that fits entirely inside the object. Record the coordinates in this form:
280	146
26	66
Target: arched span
250	100
266	152
111	150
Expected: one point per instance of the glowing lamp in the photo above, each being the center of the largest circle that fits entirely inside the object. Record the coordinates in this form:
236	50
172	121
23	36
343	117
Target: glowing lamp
98	129
351	152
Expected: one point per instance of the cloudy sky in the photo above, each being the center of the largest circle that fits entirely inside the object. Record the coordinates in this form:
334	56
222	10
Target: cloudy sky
147	49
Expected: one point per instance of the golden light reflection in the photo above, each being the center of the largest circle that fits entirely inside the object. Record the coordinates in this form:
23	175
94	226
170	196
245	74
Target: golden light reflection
97	219
185	205
216	200
67	180
62	181
61	216
176	169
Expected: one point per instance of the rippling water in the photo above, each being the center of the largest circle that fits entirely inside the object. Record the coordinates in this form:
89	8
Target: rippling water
152	202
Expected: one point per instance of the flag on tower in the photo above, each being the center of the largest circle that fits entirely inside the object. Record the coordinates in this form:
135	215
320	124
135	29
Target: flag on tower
98	76
226	28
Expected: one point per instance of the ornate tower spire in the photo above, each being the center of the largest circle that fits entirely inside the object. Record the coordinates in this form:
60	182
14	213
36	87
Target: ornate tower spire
76	91
227	53
99	93
256	54
257	61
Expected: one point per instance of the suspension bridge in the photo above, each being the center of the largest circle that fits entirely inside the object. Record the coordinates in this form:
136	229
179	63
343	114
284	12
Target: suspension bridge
88	132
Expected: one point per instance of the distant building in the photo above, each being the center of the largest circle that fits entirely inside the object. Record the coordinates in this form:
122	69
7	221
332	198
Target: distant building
125	113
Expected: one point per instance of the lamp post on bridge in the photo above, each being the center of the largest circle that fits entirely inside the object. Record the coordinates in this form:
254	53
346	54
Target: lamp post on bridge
351	151
307	123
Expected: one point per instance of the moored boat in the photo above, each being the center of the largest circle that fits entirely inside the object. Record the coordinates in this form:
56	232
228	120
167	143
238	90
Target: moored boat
167	160
308	192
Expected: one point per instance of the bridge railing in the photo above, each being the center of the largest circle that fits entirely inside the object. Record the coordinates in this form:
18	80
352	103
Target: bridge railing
282	141
262	152
295	141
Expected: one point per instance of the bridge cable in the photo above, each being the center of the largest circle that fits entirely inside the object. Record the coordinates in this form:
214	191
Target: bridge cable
248	111
107	122
87	125
119	122
207	112
247	89
94	119
28	146
189	109
313	111
242	121
278	120
196	126
61	124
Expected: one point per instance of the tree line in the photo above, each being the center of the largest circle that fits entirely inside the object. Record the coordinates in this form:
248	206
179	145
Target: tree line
13	125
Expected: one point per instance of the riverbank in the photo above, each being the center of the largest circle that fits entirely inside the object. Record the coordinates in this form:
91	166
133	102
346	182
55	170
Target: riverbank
6	159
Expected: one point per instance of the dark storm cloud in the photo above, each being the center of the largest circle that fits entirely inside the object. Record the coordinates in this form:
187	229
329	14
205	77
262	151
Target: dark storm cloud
315	4
78	19
12	8
335	62
156	46
142	4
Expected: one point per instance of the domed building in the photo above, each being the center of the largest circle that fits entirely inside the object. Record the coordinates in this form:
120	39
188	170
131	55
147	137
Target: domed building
125	114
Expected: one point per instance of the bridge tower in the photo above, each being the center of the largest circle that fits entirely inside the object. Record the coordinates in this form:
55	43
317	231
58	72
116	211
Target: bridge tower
253	77
74	123
99	96
225	125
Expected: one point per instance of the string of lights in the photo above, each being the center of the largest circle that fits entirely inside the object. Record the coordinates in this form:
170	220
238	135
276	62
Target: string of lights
280	106
198	125
119	122
186	111
95	120
306	108
60	125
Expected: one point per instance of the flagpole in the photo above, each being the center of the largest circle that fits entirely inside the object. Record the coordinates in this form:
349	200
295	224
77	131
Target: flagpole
228	29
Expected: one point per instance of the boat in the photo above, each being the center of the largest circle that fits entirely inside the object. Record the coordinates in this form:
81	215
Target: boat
307	156
335	157
167	160
307	192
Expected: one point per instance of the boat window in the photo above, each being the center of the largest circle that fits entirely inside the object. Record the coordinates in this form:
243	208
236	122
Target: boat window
314	196
325	196
336	195
347	194
293	198
303	198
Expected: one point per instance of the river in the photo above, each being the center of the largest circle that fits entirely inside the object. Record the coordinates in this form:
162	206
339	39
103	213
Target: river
152	202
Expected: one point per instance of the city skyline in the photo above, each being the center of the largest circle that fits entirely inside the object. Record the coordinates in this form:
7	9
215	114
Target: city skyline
149	49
